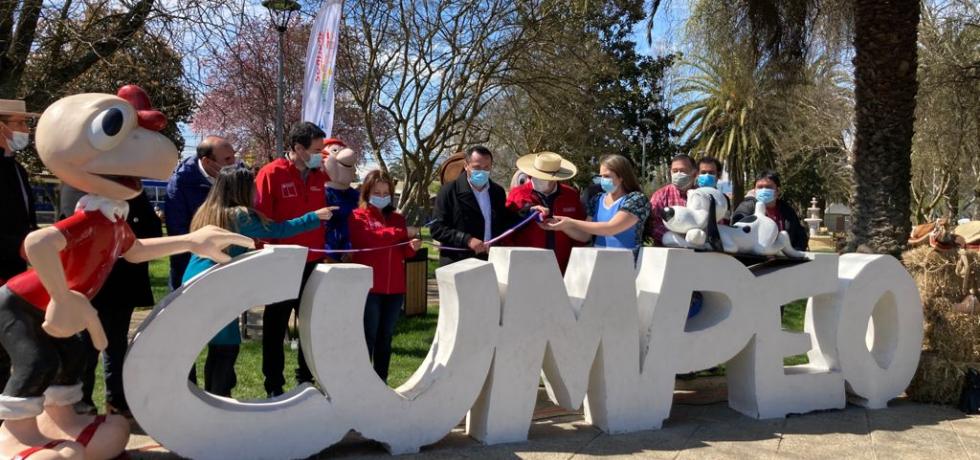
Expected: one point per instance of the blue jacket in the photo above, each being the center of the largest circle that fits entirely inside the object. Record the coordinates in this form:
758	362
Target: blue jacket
186	191
250	225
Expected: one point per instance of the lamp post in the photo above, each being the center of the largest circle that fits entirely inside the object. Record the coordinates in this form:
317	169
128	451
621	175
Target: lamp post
280	11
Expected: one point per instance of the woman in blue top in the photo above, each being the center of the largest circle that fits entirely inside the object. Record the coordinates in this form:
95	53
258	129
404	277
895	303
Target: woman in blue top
617	216
229	206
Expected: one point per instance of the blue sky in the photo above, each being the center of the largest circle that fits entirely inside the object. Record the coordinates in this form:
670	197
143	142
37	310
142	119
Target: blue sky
668	28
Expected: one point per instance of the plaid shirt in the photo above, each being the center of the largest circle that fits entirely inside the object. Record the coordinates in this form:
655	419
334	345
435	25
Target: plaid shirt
668	195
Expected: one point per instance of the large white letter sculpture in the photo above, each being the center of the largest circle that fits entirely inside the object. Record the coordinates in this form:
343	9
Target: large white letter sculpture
609	336
196	424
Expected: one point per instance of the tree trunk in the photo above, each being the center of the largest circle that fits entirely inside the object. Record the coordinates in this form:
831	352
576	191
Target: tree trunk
414	203
737	177
952	195
885	64
976	201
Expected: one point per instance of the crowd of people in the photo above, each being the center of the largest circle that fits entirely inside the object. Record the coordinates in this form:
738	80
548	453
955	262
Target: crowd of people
614	214
293	200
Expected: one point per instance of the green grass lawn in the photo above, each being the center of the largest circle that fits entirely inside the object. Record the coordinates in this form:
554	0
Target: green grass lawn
793	316
159	276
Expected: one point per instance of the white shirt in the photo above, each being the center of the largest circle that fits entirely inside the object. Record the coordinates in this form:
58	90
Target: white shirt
483	198
204	172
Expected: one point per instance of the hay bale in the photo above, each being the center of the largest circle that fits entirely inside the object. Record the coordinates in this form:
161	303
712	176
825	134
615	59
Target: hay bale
943	274
951	335
952	340
938	380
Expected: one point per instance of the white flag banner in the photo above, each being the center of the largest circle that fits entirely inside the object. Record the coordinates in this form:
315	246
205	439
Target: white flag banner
321	57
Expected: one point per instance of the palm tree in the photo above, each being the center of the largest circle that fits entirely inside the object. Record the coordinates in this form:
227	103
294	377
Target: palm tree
885	61
727	114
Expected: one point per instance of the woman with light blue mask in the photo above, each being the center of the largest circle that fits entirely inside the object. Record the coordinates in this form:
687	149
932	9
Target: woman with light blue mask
766	190
385	242
617	216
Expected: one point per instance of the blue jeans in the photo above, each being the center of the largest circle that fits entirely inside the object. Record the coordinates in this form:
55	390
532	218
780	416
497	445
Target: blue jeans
380	315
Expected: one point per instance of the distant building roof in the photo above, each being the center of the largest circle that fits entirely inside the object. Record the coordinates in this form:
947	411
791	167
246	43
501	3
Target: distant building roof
838	208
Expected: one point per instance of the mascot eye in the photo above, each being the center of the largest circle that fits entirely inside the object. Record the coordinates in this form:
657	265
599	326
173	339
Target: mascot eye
105	128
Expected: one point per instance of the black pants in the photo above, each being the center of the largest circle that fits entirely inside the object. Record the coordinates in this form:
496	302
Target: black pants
275	325
381	313
115	321
219	369
30	359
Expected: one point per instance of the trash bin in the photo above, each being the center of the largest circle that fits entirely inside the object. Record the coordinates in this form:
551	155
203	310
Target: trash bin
416	283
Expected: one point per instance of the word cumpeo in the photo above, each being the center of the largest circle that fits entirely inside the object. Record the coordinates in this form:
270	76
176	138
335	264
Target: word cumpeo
609	336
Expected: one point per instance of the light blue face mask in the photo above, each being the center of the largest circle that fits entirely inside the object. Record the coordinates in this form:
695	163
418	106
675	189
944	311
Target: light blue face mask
380	202
20	141
607	185
315	161
479	177
765	195
707	180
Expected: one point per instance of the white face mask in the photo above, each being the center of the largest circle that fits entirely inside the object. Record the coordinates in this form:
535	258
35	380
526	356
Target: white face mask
680	179
20	141
542	186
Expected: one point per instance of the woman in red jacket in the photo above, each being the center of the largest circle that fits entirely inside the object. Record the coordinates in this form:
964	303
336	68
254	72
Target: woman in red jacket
375	224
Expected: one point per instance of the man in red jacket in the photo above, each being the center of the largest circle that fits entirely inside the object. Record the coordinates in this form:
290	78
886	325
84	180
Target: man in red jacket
286	188
545	171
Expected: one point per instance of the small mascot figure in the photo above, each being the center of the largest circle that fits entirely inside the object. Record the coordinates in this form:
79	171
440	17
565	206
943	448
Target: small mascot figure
689	226
340	163
101	144
695	226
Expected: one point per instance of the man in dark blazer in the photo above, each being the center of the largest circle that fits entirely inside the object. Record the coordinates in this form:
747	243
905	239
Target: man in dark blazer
127	287
471	210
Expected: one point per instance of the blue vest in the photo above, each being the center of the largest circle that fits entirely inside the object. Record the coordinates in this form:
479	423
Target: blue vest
338	233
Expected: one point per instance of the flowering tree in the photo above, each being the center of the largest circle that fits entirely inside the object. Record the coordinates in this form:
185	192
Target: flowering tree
240	98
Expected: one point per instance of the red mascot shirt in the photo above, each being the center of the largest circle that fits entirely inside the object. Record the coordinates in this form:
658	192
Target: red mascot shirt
566	204
94	243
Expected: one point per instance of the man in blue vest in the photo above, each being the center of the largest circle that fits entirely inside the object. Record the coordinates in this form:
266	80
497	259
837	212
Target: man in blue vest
186	190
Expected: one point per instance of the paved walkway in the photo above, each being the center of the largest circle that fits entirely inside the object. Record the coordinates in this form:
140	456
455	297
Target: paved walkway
700	428
714	431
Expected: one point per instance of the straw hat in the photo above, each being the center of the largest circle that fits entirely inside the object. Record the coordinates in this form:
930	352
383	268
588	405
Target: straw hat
547	166
970	232
450	169
15	107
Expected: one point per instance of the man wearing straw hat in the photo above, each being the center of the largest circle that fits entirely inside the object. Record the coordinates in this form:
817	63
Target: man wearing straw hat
16	199
546	171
